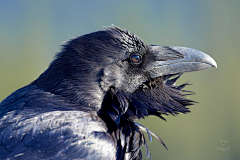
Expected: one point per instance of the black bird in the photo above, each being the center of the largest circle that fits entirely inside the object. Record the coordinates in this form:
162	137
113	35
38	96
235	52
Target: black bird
84	106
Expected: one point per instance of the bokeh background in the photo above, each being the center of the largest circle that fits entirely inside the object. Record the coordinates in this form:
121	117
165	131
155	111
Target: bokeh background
31	32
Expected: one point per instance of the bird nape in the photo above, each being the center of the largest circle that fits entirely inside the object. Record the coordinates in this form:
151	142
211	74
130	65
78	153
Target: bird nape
84	106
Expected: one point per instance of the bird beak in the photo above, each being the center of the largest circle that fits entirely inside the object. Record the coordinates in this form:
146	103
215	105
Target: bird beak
174	60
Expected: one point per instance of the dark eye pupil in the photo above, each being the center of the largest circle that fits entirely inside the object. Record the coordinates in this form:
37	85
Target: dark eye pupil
135	58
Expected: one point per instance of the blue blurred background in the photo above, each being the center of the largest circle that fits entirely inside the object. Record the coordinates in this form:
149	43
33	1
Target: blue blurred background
31	32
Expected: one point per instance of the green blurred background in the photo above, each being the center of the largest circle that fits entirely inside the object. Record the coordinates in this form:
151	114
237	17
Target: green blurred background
31	32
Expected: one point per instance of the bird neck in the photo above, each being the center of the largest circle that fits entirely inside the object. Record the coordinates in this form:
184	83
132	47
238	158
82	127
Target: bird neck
77	90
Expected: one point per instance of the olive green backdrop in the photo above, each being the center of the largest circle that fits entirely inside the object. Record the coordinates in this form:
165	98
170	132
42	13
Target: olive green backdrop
31	32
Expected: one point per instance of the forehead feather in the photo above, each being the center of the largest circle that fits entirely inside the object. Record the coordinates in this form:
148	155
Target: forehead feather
127	38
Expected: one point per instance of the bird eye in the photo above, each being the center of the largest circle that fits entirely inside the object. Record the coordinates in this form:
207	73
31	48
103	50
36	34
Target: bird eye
136	58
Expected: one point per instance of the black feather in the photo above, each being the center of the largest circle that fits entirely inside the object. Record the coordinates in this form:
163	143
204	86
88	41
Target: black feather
84	106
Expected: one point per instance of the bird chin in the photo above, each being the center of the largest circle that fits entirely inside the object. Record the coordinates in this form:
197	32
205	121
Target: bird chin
160	96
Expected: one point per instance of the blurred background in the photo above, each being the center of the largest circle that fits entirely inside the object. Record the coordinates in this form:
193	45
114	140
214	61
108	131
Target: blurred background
31	32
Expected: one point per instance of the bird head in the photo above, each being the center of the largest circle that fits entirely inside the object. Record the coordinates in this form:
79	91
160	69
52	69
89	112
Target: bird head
116	74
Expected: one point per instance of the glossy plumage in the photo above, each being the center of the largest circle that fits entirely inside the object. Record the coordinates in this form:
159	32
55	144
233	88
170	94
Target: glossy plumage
84	106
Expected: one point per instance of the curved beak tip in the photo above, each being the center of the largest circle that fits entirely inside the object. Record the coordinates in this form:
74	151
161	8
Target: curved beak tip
211	61
215	64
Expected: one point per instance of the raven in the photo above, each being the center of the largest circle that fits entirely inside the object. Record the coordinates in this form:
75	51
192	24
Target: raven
84	106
